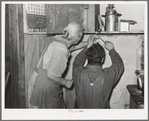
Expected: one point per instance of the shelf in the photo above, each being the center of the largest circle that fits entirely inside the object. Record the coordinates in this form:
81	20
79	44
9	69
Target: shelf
100	33
121	33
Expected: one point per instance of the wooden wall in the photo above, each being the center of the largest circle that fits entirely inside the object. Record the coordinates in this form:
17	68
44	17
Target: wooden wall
59	15
16	52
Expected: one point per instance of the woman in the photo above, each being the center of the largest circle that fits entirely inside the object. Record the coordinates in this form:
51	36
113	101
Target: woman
47	91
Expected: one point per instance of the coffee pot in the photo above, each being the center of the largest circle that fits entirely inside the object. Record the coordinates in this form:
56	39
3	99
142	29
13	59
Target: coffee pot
111	18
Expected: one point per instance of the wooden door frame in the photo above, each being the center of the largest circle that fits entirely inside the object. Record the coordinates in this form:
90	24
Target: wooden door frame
16	42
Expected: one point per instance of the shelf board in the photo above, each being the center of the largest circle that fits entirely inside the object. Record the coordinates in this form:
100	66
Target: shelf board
100	33
120	33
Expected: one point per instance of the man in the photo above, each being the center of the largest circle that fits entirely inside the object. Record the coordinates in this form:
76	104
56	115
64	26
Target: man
93	84
47	91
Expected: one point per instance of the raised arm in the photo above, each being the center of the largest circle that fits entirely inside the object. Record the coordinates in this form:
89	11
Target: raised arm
81	57
117	67
79	46
84	43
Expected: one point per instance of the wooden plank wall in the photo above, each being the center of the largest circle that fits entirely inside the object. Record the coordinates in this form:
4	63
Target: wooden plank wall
21	56
16	40
9	89
9	93
59	15
91	18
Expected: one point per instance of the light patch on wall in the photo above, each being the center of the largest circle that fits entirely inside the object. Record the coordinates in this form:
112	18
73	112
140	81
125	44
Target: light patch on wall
38	9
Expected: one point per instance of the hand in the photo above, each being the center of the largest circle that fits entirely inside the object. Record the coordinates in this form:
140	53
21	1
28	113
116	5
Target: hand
69	83
108	45
96	39
90	41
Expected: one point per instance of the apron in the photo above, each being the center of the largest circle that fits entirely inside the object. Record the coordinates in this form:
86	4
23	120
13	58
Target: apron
46	93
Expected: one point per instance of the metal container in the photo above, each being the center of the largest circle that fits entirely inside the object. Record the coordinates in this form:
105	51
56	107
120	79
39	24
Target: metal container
111	19
140	83
140	80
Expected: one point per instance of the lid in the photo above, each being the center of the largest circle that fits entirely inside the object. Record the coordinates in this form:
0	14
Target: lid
132	22
111	11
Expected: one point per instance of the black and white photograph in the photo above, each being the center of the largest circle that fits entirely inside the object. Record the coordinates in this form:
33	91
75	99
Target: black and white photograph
74	60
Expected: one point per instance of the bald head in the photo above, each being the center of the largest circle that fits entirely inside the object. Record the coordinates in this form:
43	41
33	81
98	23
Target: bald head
73	29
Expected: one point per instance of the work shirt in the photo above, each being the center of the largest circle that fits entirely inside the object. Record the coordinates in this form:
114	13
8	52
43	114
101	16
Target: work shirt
93	85
55	58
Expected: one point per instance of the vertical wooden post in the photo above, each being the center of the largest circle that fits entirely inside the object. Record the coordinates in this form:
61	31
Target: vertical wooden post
9	101
97	12
16	40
